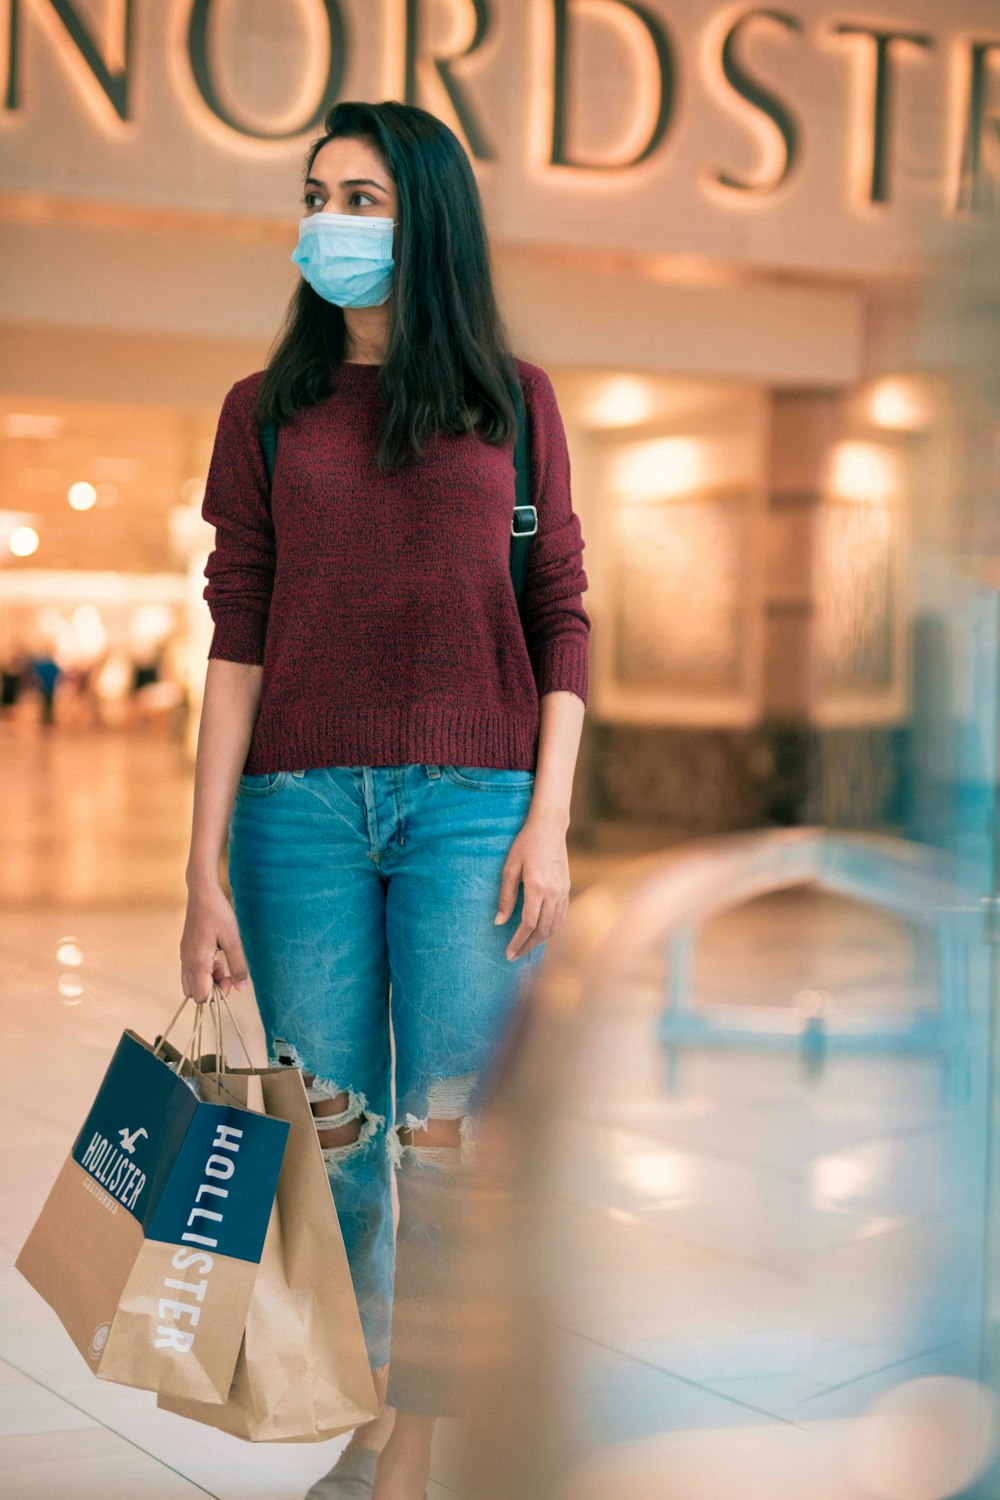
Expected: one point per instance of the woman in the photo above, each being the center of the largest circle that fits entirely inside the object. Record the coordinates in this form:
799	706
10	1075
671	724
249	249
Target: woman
389	745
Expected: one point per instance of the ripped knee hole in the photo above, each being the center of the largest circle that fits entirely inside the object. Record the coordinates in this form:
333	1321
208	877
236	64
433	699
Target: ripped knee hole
345	1122
433	1133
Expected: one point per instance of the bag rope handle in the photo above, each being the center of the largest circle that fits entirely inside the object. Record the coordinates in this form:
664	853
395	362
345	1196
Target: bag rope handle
214	1004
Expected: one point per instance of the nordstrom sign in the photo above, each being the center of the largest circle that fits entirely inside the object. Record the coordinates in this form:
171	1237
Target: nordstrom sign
745	62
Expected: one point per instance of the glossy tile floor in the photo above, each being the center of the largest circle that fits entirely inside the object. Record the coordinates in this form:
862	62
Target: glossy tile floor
745	1256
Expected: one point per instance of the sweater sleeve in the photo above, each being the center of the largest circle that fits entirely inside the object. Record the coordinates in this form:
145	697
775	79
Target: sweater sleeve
240	569
556	624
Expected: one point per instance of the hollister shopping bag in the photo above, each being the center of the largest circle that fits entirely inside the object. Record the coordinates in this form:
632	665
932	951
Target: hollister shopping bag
303	1372
148	1245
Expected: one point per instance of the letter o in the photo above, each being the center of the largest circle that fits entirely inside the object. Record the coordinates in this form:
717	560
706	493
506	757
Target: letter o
201	72
220	1166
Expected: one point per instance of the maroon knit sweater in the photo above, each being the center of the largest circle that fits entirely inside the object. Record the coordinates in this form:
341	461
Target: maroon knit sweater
381	605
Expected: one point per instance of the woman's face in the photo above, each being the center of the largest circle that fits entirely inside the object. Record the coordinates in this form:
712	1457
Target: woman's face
349	177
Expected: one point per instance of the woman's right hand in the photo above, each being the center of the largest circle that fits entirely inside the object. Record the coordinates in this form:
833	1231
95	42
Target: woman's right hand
211	950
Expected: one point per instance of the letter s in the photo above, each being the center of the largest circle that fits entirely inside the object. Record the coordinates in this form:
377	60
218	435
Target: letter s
735	76
184	1259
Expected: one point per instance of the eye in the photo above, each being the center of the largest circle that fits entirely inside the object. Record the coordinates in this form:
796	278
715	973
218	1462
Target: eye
359	194
307	196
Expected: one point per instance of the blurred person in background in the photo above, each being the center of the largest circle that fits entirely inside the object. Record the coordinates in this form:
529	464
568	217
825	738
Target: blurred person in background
387	745
13	671
46	672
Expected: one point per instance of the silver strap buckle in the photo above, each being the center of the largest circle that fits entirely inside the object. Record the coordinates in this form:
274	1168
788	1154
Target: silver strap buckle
516	528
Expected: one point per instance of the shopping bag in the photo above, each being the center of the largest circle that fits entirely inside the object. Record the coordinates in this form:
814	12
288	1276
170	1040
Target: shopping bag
303	1373
148	1245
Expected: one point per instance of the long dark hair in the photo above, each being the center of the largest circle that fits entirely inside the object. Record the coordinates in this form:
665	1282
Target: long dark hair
448	363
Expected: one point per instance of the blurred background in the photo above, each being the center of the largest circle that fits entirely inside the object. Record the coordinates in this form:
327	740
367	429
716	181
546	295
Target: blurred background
755	250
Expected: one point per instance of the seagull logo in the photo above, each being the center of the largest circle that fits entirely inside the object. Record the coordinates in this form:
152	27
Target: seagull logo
129	1139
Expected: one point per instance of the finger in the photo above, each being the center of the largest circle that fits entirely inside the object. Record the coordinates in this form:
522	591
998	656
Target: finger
558	912
509	883
239	971
515	947
545	926
220	972
542	929
230	969
527	925
238	968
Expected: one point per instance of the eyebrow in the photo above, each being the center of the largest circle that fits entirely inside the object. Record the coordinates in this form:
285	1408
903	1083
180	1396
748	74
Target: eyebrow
348	182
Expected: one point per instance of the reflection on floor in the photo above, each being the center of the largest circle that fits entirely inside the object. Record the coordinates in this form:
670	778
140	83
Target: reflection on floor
750	1253
744	1264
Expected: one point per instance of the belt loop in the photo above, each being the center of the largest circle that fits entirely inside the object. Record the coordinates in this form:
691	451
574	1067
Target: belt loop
433	772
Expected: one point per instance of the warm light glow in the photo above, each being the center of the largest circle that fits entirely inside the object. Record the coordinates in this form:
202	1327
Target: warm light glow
22	424
69	952
620	401
149	625
661	468
899	405
89	631
82	495
839	1180
863	471
23	541
72	586
657	1178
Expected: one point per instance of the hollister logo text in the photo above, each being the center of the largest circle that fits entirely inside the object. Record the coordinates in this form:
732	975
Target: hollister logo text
173	1311
113	1169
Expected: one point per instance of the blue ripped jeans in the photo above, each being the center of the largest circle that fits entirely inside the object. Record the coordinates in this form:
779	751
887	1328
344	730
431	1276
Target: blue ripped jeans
365	898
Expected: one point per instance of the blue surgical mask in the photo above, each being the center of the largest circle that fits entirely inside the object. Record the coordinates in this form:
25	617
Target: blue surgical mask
346	258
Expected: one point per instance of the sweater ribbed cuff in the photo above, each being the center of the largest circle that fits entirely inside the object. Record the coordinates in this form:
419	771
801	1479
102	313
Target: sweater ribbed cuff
565	667
239	635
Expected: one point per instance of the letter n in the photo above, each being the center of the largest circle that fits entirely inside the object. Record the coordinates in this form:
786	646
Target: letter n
111	79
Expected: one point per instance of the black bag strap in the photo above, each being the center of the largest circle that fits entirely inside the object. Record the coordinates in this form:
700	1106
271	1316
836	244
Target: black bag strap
524	521
269	443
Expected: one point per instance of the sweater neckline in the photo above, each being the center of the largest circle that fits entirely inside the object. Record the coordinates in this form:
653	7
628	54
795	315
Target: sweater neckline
351	365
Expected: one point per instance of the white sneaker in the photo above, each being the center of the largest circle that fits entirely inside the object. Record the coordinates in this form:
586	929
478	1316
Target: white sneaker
351	1477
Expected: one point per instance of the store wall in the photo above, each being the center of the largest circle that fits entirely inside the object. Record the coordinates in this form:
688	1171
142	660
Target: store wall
727	205
815	137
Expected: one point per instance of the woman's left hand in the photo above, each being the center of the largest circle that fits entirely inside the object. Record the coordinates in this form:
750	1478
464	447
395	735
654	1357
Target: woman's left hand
537	859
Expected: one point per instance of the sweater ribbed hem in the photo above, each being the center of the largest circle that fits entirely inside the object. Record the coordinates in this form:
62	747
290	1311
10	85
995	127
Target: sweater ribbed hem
390	735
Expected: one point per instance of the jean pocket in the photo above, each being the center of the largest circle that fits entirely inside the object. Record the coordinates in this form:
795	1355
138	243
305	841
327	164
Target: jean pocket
490	778
260	784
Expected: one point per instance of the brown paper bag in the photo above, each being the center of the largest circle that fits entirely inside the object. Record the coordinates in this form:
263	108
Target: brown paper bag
147	1247
302	1374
